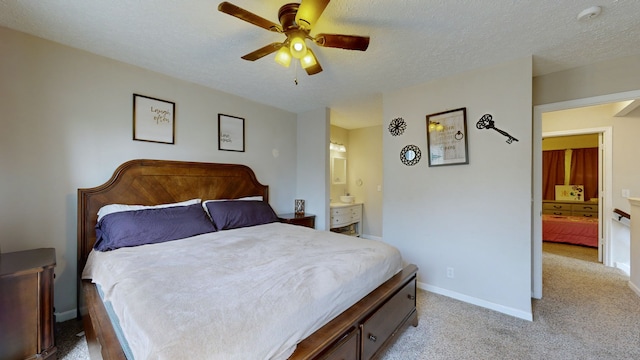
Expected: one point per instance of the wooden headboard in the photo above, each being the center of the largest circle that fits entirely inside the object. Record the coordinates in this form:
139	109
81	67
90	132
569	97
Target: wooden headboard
153	182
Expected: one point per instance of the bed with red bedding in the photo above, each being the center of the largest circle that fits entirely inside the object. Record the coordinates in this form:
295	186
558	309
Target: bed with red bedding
575	230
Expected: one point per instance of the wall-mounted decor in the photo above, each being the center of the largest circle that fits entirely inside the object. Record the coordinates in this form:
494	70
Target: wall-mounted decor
486	122
397	126
447	137
153	119
230	133
410	155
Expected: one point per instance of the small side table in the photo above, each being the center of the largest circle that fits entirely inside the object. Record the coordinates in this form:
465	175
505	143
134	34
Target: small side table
26	304
308	220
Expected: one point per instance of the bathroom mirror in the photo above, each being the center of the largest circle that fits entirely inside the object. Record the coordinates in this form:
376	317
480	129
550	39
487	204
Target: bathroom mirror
338	170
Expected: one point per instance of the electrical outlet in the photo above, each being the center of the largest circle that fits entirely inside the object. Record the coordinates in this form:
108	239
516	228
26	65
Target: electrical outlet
450	273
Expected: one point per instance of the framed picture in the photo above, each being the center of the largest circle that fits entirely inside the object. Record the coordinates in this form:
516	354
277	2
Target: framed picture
447	138
230	133
153	119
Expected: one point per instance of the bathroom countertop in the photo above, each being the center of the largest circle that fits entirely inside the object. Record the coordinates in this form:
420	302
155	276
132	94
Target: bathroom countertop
340	204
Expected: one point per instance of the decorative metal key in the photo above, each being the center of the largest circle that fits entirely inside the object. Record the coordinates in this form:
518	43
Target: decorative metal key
486	122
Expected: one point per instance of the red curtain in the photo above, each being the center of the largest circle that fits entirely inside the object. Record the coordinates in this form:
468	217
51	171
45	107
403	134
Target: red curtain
584	171
552	172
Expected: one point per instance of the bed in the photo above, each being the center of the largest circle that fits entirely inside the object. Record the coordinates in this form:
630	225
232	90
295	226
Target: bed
575	230
360	327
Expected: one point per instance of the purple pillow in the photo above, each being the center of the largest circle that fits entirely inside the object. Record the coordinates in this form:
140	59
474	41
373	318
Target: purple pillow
235	214
149	226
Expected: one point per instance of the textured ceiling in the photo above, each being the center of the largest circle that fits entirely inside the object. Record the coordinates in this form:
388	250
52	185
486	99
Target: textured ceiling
412	41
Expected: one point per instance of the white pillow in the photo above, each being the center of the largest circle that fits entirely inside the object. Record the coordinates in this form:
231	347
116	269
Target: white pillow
113	208
247	198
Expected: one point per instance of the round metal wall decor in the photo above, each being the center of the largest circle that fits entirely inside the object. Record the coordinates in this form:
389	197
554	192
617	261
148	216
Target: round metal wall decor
397	126
410	155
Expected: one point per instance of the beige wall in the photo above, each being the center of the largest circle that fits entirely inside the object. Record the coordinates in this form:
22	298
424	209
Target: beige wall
607	77
67	124
365	164
570	142
446	217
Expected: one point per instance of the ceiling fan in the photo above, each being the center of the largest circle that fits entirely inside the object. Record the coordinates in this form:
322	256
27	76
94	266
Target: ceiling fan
296	21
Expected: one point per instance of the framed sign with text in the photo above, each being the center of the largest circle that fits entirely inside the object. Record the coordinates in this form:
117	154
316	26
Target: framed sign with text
447	138
230	133
153	119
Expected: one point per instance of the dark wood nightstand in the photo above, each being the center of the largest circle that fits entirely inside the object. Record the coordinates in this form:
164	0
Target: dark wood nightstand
308	220
26	304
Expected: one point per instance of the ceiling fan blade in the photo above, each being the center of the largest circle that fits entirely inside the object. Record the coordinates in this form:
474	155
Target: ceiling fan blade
314	69
249	17
349	42
263	51
309	12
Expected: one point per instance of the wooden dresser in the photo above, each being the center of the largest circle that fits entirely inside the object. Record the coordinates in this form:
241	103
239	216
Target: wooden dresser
570	208
26	304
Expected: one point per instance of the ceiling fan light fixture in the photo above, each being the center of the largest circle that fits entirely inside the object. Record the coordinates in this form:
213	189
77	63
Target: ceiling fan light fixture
283	56
308	60
298	47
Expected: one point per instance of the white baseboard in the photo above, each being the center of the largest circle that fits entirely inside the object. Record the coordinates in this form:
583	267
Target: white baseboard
635	288
624	267
67	315
371	237
479	302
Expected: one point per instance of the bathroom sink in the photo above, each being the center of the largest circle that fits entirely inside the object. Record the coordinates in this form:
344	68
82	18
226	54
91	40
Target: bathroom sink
347	199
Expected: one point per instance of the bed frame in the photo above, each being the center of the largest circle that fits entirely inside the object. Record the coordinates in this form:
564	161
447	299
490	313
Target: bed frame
361	332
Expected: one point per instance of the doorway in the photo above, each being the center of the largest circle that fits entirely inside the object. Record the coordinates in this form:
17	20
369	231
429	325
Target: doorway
604	172
606	205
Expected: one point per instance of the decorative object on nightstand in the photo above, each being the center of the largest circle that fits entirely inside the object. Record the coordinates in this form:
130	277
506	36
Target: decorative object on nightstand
26	304
299	206
308	220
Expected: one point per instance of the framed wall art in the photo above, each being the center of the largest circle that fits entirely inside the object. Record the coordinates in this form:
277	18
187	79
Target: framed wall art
153	119
230	133
447	138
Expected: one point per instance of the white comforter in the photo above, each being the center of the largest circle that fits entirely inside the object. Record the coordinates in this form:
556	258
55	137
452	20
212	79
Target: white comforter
250	293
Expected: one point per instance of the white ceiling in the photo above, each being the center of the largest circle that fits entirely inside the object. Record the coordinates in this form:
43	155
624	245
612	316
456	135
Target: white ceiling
412	41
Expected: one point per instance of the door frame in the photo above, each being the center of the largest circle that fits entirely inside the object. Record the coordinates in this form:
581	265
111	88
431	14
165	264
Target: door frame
536	199
605	171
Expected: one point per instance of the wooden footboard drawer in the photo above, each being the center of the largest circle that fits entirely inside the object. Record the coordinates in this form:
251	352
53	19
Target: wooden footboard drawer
347	348
384	322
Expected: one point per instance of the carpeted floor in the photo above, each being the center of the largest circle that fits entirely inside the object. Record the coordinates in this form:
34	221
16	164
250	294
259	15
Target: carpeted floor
587	312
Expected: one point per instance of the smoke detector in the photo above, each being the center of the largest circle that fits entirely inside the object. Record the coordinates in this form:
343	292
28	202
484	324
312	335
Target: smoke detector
589	13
